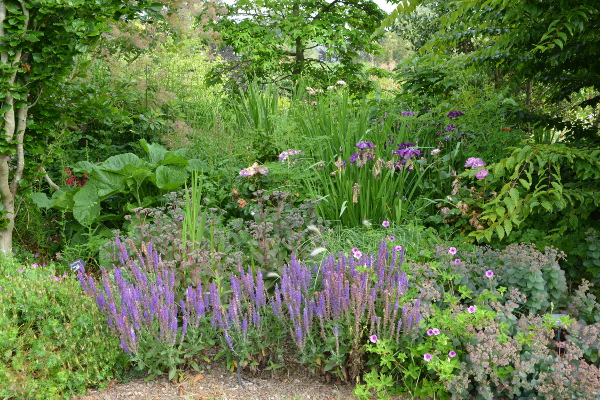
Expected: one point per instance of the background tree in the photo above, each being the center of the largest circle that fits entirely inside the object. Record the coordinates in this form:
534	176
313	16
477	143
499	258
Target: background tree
39	44
275	40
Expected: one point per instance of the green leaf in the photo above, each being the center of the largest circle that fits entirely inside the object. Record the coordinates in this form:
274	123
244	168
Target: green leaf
41	199
87	205
118	162
169	178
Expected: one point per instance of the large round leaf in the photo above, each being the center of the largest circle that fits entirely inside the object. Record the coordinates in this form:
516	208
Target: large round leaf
169	178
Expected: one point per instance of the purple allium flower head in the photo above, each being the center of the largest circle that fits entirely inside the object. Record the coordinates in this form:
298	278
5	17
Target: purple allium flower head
452	250
455	114
481	174
430	332
472	309
373	338
457	261
427	357
385	224
452	354
436	331
489	273
474	162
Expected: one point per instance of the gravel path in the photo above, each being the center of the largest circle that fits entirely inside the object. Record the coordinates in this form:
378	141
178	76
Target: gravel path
218	383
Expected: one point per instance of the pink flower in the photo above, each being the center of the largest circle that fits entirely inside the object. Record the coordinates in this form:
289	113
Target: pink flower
391	238
430	332
354	249
435	151
472	309
36	255
452	354
436	331
452	250
398	248
489	273
385	224
473	162
20	271
357	254
457	261
482	173
34	265
427	357
373	338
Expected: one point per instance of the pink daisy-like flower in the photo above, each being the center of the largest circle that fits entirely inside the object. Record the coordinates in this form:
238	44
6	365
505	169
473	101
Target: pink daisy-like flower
427	357
391	238
489	273
398	248
357	254
452	250
385	224
436	331
373	338
457	261
452	353
472	309
430	332
354	249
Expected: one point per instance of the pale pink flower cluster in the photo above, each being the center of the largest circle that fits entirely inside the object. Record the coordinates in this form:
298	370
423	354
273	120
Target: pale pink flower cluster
477	163
288	153
253	170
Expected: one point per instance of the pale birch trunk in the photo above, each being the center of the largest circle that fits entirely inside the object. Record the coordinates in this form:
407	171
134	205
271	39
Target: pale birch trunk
13	123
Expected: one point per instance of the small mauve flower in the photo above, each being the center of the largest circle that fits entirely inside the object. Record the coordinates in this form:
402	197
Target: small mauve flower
36	255
427	357
452	250
481	174
391	238
20	271
472	309
435	151
357	254
457	261
398	248
436	331
430	332
57	279
385	224
354	249
373	338
489	273
452	354
34	265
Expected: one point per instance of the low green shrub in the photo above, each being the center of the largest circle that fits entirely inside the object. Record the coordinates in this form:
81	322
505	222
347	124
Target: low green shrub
54	342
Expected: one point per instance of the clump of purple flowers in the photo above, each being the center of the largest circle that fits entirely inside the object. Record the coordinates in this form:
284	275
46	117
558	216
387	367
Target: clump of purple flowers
408	113
406	151
365	154
455	114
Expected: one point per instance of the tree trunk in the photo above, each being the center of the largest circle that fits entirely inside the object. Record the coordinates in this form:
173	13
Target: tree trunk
13	124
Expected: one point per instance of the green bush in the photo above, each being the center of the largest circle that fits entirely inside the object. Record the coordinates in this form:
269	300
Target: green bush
54	341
